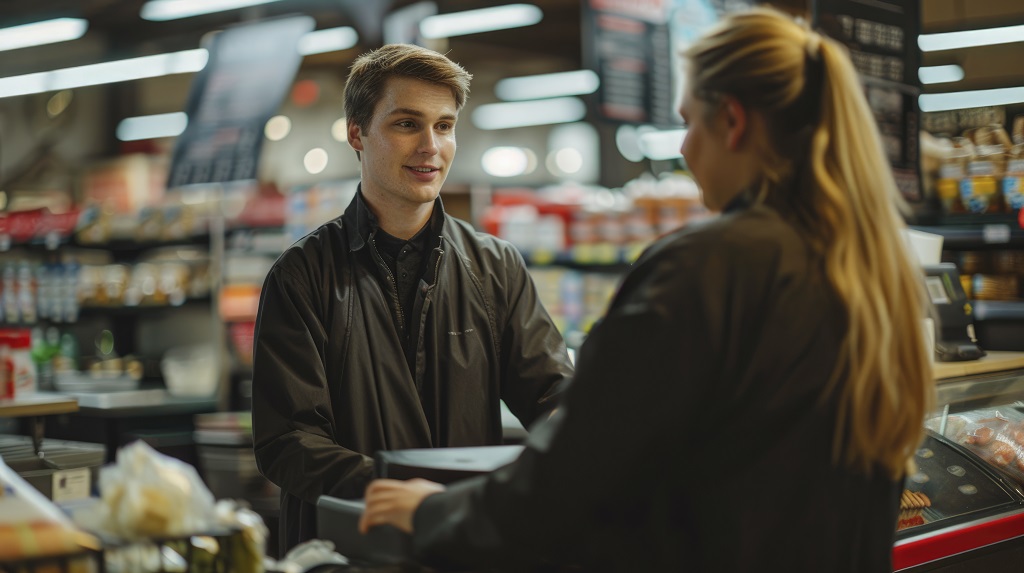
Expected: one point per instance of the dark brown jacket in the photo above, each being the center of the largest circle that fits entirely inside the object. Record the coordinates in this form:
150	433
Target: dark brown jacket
331	385
694	436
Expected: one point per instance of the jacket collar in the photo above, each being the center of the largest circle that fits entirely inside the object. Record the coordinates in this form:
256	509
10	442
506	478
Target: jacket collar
360	223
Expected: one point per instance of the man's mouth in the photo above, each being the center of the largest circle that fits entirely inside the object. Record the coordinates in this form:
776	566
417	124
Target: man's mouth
425	169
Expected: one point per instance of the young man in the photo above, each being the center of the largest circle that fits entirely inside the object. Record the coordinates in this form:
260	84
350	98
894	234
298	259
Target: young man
395	325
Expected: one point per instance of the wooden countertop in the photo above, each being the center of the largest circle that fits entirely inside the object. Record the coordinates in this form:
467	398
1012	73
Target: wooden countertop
38	405
995	361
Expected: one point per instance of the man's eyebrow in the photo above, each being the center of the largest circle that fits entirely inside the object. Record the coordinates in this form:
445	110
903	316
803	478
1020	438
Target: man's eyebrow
418	113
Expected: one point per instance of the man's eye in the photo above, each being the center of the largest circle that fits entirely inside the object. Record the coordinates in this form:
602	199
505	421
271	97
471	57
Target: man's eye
406	124
445	126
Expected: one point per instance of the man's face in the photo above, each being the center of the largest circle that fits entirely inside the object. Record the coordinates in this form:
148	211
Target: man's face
409	144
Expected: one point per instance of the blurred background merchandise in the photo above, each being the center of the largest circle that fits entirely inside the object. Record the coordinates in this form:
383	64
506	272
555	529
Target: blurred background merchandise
131	254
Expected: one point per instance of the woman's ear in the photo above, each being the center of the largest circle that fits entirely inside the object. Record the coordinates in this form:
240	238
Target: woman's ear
735	122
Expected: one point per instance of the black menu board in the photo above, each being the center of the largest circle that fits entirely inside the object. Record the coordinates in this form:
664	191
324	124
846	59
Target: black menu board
634	48
251	68
881	36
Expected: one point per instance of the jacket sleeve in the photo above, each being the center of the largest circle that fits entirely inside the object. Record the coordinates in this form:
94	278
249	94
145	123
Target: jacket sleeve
640	376
535	365
292	411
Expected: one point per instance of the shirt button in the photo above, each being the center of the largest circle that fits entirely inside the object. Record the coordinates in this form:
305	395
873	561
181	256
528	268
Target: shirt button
405	275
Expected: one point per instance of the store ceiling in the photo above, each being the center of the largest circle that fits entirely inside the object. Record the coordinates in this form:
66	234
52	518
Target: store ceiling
116	29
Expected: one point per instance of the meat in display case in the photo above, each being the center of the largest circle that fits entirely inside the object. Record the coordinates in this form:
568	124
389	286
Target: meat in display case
963	507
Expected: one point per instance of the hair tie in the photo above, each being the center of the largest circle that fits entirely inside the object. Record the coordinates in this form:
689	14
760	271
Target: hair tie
813	45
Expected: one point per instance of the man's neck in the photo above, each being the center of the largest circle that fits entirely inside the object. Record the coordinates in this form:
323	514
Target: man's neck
399	220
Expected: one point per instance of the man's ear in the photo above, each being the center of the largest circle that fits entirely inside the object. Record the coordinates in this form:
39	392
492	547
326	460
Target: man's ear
355	136
735	122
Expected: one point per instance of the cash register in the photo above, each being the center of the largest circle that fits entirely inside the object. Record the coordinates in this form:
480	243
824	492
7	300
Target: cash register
338	519
954	334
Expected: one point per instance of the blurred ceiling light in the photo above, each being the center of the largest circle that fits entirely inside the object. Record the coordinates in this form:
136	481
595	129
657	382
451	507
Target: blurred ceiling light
160	10
152	126
315	160
105	73
662	144
526	113
940	74
40	33
339	130
579	82
568	160
277	127
970	38
329	40
482	20
508	161
59	102
628	144
969	99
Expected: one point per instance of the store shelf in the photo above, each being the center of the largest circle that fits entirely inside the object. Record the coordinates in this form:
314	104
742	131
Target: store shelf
123	310
130	246
999	233
590	255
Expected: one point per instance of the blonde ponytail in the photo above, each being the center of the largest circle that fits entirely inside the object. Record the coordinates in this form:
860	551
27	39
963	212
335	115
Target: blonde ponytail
826	171
888	381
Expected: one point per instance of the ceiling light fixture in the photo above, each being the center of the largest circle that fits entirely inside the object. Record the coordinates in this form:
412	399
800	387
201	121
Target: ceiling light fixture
162	10
579	82
152	126
482	20
105	73
969	99
527	113
40	33
970	38
940	74
661	145
329	40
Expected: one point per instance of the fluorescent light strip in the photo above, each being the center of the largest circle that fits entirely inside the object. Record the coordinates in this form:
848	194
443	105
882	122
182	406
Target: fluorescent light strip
40	33
104	73
152	126
579	82
970	38
662	145
162	10
940	74
526	113
482	20
329	40
969	99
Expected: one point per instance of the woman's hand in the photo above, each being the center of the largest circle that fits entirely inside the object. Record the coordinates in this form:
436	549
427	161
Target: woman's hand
394	502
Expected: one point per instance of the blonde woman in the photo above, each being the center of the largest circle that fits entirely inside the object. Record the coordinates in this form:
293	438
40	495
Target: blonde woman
752	398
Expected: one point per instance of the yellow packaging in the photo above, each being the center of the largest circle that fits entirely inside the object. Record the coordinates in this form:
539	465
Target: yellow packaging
1013	184
979	191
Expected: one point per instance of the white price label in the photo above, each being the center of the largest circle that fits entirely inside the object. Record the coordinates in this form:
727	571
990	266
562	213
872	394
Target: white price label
996	233
69	485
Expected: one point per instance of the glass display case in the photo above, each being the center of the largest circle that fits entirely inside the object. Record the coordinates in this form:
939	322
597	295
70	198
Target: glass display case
963	507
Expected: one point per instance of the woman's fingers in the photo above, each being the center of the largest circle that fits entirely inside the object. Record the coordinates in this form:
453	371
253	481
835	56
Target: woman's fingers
394	502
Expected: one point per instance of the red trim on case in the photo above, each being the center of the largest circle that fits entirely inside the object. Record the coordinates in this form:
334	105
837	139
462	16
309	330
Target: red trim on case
918	551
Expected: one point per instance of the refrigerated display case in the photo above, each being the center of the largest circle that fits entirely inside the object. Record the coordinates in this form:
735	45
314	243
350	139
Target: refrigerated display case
970	470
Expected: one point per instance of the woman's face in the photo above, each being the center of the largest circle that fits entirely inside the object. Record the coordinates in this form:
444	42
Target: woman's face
715	165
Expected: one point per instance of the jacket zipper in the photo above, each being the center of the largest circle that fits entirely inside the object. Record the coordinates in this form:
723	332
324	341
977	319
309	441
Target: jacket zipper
394	285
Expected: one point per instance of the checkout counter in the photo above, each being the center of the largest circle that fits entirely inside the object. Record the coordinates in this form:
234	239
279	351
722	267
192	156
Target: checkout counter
974	520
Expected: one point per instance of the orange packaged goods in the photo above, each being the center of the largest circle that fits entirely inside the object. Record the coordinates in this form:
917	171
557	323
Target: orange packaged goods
997	436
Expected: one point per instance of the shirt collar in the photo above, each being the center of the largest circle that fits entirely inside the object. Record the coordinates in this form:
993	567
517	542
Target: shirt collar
360	222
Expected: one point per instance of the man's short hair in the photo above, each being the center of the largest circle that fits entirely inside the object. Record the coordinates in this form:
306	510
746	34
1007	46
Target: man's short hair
371	71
